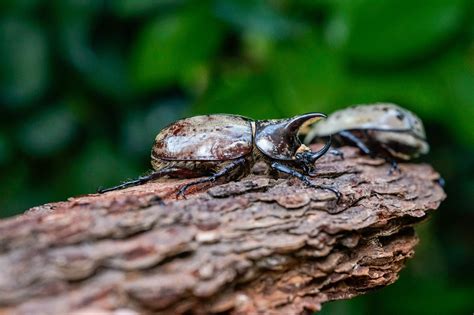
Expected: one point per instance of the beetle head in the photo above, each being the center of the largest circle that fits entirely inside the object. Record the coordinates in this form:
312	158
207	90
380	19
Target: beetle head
278	139
305	158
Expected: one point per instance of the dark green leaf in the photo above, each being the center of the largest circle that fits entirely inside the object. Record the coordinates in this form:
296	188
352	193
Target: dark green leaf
128	8
48	132
257	17
390	31
141	127
170	46
24	64
241	93
5	150
306	77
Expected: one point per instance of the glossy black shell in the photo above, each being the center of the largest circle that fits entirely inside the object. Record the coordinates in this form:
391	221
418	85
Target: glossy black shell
216	137
278	138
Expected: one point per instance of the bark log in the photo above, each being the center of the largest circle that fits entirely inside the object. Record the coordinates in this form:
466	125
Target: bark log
257	245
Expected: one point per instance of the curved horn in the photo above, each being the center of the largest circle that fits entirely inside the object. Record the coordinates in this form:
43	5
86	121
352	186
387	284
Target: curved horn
313	156
296	122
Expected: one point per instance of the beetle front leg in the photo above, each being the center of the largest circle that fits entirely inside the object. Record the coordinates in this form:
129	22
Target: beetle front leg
288	170
224	171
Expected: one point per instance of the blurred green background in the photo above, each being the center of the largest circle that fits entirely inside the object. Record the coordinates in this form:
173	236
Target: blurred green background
86	84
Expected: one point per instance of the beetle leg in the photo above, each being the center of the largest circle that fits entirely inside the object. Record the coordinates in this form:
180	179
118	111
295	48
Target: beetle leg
224	171
337	152
140	180
441	181
288	170
357	141
393	167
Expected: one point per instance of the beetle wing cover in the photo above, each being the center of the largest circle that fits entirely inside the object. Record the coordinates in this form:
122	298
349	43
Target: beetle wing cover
205	138
379	116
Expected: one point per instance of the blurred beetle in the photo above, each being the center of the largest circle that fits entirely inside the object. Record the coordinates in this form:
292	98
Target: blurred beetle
382	129
227	146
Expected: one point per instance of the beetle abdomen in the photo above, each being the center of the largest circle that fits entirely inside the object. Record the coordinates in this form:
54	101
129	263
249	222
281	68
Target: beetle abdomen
205	138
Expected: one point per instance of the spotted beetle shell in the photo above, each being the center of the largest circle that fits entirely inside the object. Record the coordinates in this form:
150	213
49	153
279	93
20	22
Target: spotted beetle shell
379	116
398	130
205	138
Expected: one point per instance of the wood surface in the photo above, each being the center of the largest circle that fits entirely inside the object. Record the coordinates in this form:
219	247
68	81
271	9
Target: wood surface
260	245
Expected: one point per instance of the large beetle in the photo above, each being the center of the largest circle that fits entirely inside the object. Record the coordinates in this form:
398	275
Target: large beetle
384	129
227	146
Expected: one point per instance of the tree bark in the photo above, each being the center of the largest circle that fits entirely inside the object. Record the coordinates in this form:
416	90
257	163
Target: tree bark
262	244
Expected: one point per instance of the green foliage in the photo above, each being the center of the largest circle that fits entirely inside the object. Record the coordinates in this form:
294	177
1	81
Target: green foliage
47	133
130	8
169	47
390	31
86	85
24	62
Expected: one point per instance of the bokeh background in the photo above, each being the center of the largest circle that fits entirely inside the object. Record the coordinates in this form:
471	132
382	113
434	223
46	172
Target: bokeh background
86	84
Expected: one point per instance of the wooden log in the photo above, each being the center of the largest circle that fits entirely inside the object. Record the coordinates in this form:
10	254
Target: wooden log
262	244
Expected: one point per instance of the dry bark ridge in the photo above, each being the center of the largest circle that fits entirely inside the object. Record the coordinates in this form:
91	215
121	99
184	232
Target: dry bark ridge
258	245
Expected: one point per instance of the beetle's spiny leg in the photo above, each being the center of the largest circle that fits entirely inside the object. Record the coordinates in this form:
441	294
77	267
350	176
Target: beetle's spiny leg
182	190
224	171
140	180
135	182
337	152
356	141
393	167
288	170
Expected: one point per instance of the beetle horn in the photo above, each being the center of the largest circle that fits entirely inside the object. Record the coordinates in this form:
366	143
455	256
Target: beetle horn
278	138
313	156
296	122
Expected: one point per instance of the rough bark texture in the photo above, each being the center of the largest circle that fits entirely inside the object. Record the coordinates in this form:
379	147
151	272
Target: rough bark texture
258	245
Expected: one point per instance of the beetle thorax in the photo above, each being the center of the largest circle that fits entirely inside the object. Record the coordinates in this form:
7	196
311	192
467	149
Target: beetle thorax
278	138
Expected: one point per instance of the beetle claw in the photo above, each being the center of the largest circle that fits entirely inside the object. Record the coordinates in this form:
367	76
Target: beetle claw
333	190
325	187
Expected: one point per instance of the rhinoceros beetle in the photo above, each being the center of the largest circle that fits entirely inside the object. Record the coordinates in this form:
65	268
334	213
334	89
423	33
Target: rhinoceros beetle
383	129
227	146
